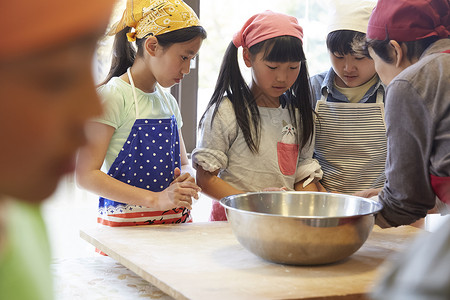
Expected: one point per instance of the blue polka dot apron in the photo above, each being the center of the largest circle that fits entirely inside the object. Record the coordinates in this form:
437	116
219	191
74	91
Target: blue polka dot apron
147	160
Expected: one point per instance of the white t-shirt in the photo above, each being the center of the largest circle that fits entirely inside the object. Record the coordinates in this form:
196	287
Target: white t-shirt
223	147
120	112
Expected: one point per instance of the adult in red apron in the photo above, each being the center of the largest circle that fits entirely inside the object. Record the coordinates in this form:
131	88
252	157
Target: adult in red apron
351	144
418	125
147	160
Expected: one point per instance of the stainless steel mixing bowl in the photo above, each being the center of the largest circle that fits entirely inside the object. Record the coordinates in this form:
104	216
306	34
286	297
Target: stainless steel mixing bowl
301	228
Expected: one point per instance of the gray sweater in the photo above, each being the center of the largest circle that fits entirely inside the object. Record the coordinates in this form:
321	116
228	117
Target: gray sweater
418	131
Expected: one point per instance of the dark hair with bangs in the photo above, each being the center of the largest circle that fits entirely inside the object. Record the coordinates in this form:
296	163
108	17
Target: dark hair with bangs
341	41
124	53
414	48
231	84
280	49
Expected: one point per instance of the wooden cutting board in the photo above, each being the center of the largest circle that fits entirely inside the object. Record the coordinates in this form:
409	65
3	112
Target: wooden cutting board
205	261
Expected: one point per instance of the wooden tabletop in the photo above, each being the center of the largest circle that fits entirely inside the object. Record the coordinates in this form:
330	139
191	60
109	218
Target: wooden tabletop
205	261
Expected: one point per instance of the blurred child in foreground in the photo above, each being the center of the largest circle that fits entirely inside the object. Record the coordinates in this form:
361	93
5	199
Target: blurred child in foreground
47	96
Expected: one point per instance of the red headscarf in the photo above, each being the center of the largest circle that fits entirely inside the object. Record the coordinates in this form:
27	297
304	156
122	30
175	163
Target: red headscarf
409	20
265	26
31	26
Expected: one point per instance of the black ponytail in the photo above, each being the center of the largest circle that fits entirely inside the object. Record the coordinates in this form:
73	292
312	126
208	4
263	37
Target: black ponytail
123	55
231	84
301	98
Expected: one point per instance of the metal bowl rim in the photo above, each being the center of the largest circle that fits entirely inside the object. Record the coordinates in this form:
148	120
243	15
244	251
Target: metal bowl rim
375	211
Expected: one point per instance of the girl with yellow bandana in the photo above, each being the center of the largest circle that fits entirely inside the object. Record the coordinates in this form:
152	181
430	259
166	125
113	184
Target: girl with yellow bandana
138	138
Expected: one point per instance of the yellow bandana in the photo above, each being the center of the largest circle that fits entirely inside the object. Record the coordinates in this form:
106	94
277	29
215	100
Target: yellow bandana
154	17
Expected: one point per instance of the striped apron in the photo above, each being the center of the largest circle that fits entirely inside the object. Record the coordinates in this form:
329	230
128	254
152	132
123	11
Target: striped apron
351	144
147	160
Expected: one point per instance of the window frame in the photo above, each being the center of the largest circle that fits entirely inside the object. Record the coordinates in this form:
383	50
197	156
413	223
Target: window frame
186	94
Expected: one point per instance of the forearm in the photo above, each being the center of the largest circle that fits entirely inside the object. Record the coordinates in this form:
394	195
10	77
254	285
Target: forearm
90	177
108	187
401	209
213	186
311	187
185	164
187	168
368	193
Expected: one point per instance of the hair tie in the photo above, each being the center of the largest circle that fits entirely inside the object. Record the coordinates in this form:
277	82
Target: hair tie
131	36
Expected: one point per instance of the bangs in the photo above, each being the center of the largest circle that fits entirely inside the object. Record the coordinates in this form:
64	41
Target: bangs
280	49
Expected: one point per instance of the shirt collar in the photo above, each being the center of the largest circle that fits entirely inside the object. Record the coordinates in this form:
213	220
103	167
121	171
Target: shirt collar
436	47
328	88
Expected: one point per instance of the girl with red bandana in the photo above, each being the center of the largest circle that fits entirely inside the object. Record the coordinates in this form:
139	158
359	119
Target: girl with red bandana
259	136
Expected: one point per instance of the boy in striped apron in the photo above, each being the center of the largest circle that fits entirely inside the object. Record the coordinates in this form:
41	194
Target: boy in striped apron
351	135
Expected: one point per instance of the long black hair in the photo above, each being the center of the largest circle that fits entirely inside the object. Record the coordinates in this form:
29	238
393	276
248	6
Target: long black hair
124	53
232	85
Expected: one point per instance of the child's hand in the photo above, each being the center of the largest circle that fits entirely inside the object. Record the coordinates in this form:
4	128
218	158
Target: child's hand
368	193
178	194
275	189
178	177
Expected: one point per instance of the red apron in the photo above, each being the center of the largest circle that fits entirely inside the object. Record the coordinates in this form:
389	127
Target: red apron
441	187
